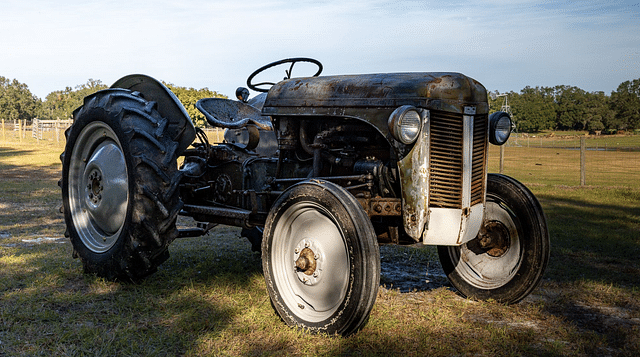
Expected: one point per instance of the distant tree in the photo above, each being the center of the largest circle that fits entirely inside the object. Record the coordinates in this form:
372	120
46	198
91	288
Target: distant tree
597	111
626	103
17	101
533	109
570	108
189	97
60	104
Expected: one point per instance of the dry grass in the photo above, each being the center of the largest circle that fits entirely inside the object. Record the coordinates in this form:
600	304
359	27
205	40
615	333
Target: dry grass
209	298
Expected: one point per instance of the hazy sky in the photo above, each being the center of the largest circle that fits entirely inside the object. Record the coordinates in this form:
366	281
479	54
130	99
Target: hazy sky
506	45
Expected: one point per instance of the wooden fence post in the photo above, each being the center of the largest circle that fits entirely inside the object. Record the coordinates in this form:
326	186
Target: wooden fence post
582	161
501	159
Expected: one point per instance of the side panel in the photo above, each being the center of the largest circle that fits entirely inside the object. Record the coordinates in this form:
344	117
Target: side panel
414	179
449	226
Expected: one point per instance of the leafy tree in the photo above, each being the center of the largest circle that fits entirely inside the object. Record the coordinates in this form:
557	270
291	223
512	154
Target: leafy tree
597	111
189	97
60	104
626	103
570	109
533	109
17	101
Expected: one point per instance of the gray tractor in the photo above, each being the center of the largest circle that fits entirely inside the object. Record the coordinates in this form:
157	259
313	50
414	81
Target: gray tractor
318	171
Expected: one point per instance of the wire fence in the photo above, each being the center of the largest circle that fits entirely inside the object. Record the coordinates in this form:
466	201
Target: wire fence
52	131
571	160
606	160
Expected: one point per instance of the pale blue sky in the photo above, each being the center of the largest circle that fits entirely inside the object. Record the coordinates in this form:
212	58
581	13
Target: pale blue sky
506	45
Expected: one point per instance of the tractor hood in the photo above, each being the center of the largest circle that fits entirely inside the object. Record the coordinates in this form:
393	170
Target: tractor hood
350	95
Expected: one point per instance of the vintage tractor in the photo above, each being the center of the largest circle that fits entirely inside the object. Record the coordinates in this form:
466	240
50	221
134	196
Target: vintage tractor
318	171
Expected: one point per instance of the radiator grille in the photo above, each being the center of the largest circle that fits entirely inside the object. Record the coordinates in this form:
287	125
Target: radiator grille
446	155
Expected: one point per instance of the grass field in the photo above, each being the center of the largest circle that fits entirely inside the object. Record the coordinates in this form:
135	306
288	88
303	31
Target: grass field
209	298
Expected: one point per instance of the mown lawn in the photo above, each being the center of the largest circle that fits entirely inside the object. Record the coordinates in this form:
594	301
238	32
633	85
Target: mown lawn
209	298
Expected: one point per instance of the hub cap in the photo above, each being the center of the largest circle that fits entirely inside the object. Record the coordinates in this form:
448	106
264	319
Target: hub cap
98	187
310	261
493	258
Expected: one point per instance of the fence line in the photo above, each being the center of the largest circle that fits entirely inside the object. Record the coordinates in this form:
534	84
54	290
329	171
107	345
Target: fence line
39	127
572	161
53	130
606	160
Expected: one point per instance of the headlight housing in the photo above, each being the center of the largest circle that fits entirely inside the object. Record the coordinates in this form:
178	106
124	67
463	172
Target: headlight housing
499	128
405	124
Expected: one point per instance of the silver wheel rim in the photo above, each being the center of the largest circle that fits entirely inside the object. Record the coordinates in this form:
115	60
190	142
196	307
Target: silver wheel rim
98	187
484	271
316	296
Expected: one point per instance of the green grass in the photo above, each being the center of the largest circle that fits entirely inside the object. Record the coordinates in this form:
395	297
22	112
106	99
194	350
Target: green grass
209	298
556	166
561	139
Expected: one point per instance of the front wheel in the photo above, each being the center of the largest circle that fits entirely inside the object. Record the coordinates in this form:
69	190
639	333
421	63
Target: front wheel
321	259
507	259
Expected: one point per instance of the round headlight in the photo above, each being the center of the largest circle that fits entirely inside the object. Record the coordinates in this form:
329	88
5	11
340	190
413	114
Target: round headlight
499	128
405	124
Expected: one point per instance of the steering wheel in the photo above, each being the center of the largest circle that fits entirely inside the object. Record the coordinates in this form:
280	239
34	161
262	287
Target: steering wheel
293	61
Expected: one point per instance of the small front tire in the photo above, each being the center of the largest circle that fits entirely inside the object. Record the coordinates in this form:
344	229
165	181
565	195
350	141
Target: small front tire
321	259
506	261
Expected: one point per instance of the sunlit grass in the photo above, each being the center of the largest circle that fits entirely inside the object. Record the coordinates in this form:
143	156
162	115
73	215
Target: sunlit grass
209	298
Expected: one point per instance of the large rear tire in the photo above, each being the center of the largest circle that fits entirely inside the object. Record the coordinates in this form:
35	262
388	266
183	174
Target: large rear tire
508	258
321	259
119	185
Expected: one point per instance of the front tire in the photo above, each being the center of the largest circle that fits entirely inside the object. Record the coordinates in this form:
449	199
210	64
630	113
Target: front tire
321	259
508	258
119	180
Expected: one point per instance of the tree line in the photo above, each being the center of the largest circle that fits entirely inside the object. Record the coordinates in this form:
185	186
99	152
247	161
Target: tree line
571	108
18	103
533	109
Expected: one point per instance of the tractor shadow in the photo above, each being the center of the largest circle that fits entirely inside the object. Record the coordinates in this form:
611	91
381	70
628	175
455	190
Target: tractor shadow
409	269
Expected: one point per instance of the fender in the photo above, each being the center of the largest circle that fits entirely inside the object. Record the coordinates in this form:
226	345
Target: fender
169	106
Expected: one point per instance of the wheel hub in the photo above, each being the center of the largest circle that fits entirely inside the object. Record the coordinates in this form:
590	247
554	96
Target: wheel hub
94	187
494	239
308	260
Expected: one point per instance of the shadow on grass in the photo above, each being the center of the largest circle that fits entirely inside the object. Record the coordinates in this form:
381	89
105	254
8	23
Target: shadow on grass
8	152
48	307
594	241
594	269
26	172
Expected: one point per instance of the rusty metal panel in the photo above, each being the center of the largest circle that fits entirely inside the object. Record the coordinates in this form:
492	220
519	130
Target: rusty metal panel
373	97
414	179
426	90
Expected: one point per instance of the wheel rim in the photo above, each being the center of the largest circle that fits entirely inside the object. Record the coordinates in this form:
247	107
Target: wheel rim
98	187
490	267
315	289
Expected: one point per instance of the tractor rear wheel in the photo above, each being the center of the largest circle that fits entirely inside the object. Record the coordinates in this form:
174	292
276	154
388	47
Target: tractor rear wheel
119	185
